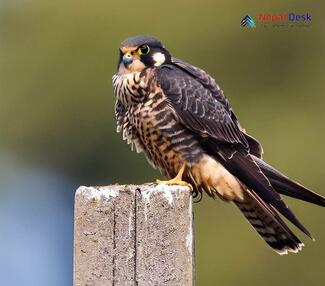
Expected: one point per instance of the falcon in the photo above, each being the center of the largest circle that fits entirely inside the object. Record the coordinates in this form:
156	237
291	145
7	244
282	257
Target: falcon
177	115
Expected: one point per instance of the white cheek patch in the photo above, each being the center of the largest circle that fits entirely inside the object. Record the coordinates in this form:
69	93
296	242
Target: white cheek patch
159	59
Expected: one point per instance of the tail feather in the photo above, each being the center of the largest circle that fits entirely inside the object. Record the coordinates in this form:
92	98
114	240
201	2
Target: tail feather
249	173
287	187
268	224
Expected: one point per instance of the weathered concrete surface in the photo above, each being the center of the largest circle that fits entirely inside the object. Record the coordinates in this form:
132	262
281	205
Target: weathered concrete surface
133	235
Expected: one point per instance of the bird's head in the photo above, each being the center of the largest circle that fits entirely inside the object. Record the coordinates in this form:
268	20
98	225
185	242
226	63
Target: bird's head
140	52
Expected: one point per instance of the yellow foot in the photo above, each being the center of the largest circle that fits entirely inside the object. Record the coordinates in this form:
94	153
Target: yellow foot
175	182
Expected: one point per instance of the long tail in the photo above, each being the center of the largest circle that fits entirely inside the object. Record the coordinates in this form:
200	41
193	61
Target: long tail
287	187
268	224
245	168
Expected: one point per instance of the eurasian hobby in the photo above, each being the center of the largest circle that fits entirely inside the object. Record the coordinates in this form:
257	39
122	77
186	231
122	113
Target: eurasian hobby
179	117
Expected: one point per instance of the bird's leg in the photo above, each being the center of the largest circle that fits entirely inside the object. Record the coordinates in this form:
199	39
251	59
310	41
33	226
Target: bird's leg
177	180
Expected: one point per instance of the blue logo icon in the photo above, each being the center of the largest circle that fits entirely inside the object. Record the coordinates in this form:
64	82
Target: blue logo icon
248	21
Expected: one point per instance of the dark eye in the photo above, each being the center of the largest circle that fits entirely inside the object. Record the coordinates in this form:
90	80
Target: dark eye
143	50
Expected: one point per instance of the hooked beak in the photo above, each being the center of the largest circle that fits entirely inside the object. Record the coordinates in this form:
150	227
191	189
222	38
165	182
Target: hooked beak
127	59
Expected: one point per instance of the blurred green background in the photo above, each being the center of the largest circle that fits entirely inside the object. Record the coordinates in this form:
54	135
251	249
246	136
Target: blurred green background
57	117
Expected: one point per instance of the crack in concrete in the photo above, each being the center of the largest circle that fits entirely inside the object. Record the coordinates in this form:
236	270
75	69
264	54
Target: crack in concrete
114	244
135	235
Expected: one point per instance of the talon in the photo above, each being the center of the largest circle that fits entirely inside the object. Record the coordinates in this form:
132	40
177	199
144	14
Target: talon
175	182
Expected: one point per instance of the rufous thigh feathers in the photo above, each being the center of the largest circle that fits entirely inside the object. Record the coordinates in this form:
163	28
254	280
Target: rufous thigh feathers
213	177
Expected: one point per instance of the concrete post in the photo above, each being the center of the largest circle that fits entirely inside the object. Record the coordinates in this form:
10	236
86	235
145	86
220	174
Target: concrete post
133	235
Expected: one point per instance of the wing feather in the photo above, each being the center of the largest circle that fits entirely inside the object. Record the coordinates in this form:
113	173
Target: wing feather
198	107
209	83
